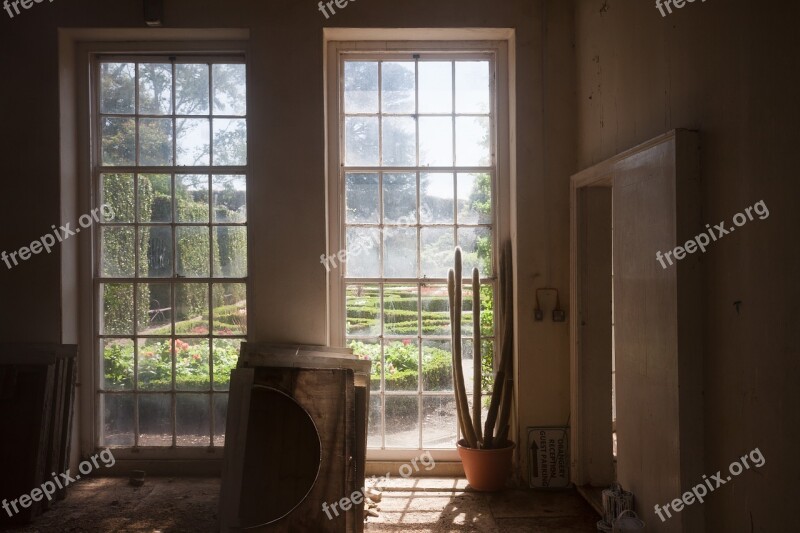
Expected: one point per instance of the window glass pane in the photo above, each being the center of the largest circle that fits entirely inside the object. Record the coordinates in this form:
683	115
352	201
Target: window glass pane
363	305
117	302
400	252
117	87
400	199
437	201
116	191
361	141
437	366
487	365
363	259
192	141
155	420
467	356
401	359
155	141
361	87
476	245
220	418
193	420
191	197
117	416
116	252
399	142
400	307
155	89
474	198
230	308
466	310
375	432
402	422
438	422
230	198
230	89
155	364
472	142
119	141
362	199
435	87
487	307
369	349
397	80
230	142
192	251
117	364
155	247
472	87
192	371
155	308
191	89
435	310
230	251
191	316
436	141
226	357
155	198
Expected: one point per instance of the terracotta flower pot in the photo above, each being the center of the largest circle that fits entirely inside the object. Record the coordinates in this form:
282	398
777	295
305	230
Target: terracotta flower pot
486	470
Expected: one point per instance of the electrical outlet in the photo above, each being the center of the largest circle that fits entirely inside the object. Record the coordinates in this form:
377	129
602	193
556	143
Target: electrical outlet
559	315
538	315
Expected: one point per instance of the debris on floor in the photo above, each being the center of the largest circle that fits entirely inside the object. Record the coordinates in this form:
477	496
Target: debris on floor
414	505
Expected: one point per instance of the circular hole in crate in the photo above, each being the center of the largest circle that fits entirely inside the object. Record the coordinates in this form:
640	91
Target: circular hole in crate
283	457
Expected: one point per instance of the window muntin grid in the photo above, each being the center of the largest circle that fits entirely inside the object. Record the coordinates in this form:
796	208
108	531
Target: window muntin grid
177	241
435	209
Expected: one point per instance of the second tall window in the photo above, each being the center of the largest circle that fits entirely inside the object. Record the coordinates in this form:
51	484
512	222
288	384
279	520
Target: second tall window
418	179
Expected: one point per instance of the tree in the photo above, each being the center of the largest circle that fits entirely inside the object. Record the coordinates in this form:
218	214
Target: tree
155	196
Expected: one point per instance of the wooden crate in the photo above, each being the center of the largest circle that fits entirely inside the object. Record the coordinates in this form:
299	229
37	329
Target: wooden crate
332	387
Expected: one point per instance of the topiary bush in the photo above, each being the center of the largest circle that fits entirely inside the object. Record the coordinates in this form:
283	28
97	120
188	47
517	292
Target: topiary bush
401	359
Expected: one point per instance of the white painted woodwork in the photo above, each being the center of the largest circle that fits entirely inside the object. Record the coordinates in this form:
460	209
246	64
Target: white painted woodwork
658	327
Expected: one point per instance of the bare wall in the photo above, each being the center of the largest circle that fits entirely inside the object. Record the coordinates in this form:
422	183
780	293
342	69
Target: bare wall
728	69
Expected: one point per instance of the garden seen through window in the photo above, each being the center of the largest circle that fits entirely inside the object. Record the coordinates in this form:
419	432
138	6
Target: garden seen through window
418	174
171	264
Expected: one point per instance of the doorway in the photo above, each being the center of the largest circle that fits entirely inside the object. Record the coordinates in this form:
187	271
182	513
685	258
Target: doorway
593	395
637	328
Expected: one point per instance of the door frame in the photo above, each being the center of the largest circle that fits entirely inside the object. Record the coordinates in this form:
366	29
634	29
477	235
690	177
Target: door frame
581	450
657	200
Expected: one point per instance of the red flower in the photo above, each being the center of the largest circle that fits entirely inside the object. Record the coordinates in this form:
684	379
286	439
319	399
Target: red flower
181	346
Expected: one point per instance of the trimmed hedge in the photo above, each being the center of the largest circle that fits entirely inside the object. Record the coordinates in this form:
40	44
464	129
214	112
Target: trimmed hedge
192	254
401	366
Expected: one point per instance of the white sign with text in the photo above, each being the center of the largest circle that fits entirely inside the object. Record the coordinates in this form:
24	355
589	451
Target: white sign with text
548	457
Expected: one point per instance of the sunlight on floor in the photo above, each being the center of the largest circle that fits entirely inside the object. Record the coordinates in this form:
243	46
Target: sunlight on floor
444	505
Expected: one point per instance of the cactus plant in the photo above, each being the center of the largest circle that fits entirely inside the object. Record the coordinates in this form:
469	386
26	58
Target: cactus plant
496	430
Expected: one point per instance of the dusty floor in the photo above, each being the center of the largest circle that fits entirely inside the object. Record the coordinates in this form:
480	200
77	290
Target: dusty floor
438	505
168	505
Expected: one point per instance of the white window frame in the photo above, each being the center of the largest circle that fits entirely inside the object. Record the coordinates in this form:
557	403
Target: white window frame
497	42
77	47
